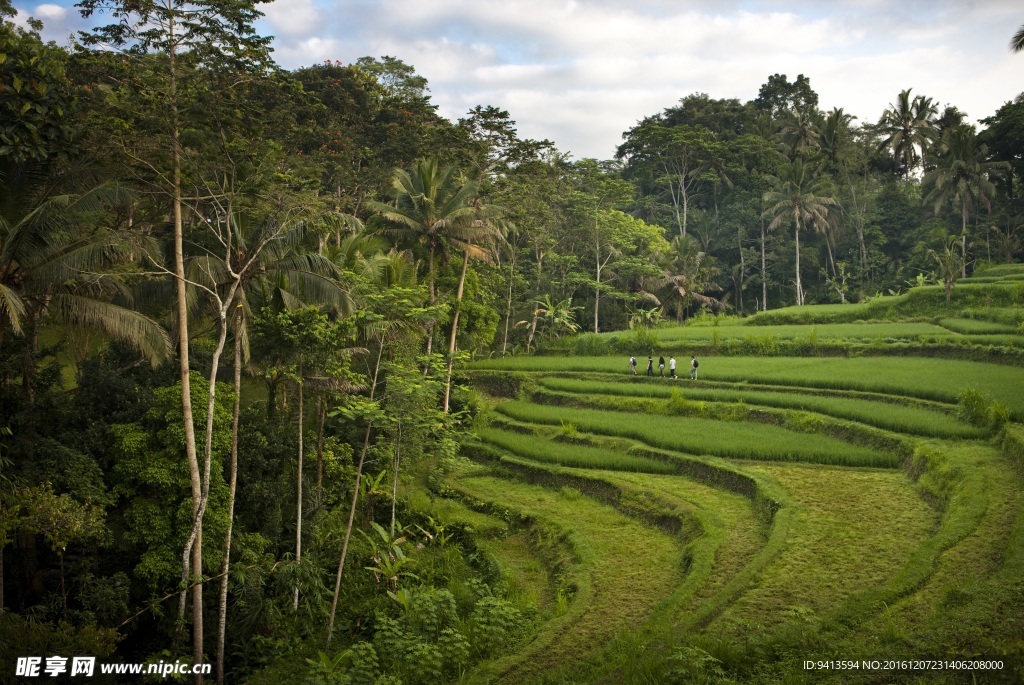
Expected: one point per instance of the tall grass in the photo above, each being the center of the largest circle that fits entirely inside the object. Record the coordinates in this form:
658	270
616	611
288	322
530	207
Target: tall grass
705	436
900	418
579	456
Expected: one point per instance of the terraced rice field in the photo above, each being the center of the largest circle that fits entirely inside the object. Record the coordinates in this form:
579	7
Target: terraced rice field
933	379
777	506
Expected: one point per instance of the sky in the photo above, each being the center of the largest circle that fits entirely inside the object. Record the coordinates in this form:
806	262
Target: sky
581	72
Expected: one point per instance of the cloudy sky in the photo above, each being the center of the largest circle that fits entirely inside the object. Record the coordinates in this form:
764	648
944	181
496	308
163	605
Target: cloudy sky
580	73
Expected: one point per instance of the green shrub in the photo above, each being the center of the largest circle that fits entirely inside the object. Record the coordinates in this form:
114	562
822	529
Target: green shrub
495	625
980	409
973	406
591	344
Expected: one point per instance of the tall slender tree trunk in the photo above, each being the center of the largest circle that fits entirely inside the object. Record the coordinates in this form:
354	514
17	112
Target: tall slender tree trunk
394	476
963	240
743	266
430	329
508	308
298	496
322	418
764	272
536	310
799	287
455	328
192	555
28	361
355	499
597	278
225	566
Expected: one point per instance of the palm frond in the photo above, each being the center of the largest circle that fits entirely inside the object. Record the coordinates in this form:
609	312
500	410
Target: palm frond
117	322
11	308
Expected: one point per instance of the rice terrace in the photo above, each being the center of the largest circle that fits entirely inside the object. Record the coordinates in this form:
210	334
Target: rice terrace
319	368
840	483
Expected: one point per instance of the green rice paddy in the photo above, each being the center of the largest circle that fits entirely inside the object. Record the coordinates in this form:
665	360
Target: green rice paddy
926	378
897	417
799	541
567	454
736	440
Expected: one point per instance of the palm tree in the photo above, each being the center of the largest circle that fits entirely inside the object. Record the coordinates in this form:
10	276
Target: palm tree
949	263
800	132
962	177
908	126
689	274
51	265
434	208
801	196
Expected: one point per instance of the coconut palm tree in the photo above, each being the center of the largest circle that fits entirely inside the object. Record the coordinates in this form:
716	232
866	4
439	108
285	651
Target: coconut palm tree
801	196
52	265
246	265
800	132
909	127
433	207
1017	42
962	177
689	275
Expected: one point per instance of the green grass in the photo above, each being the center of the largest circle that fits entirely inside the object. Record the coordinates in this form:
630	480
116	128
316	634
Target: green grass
817	313
933	379
887	415
820	332
851	530
624	570
566	454
728	520
731	439
1000	270
976	327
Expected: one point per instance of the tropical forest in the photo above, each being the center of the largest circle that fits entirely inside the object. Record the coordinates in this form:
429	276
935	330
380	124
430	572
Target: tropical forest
302	382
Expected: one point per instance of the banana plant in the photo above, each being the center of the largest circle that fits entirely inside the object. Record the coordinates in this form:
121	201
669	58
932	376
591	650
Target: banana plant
389	561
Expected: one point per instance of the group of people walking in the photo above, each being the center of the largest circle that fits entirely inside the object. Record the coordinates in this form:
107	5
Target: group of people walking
661	366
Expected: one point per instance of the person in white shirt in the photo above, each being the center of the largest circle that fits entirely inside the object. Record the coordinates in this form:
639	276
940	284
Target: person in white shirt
672	367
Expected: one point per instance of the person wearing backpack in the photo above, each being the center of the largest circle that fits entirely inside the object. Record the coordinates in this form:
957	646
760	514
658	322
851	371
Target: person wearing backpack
693	368
650	365
632	364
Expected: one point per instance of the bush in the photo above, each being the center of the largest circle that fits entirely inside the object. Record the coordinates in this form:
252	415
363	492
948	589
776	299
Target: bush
591	344
980	409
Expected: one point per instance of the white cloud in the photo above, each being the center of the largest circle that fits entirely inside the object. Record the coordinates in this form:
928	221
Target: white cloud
581	72
50	12
293	18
